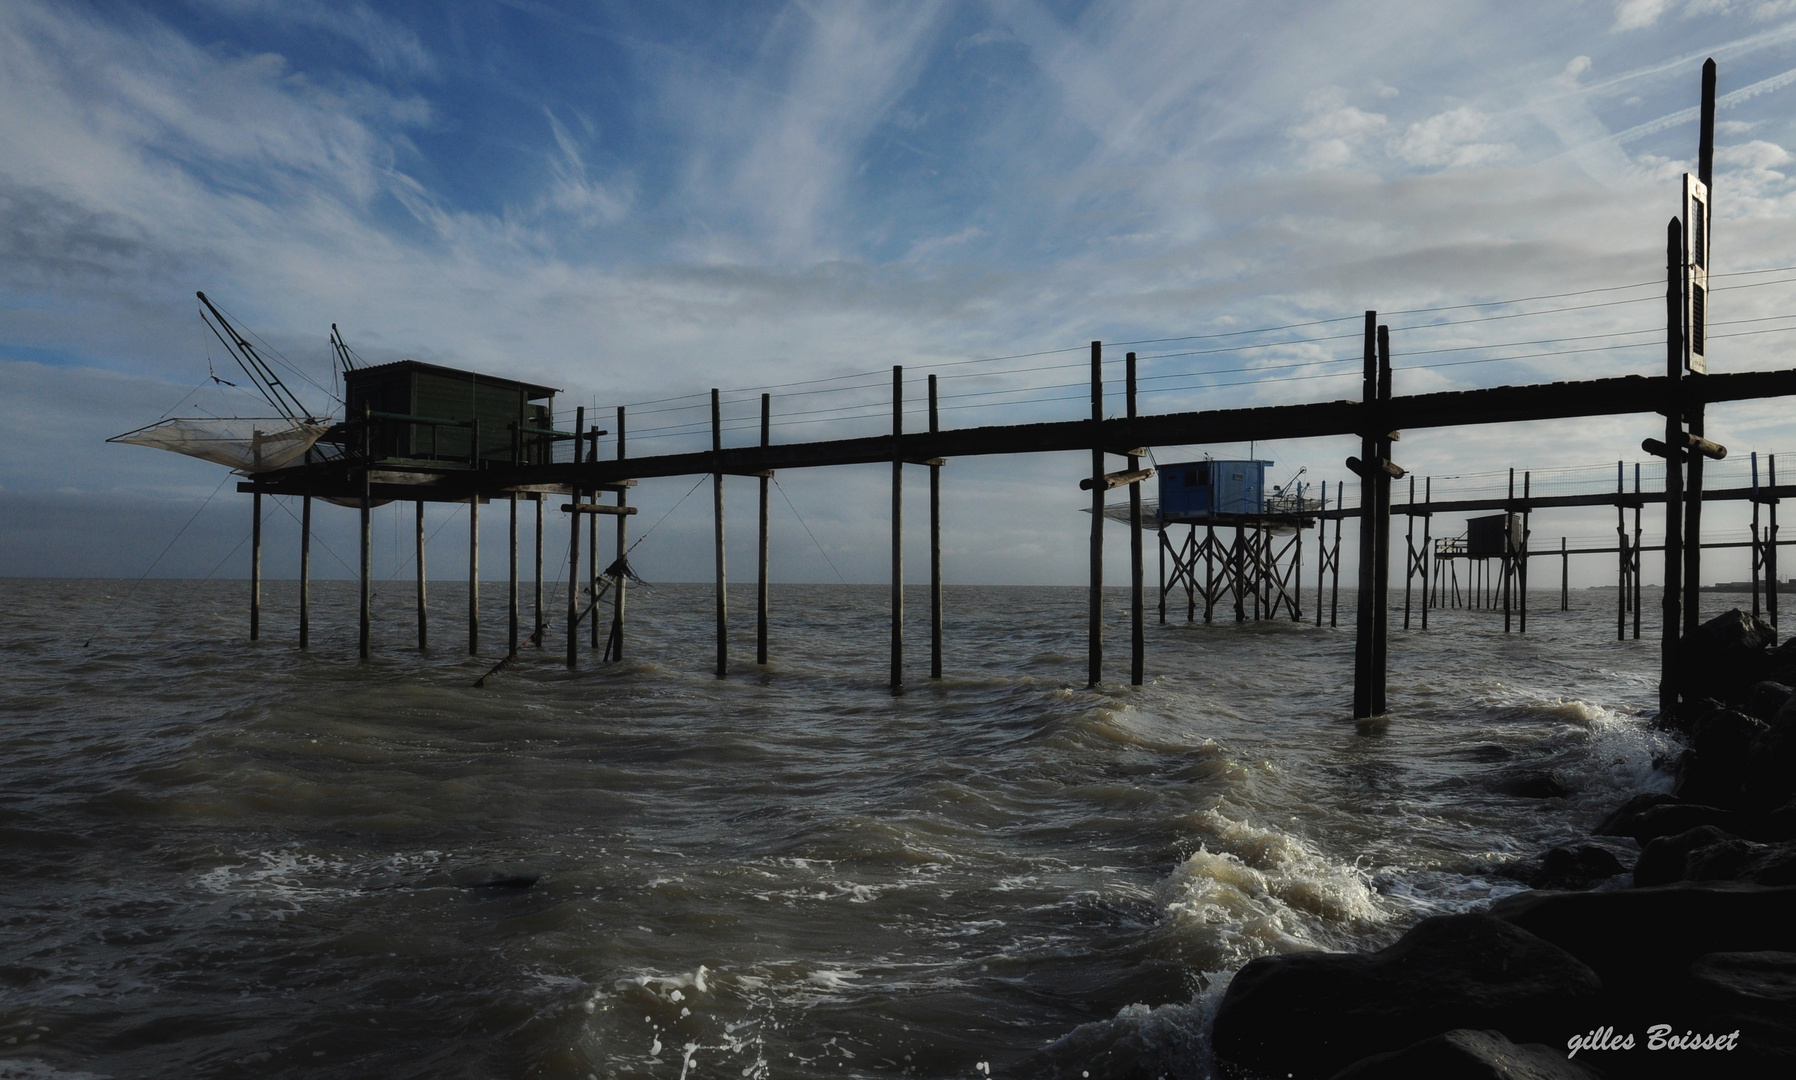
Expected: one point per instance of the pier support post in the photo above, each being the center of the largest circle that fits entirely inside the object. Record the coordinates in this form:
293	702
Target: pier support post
1334	599
423	618
537	633
1509	552
1771	548
305	572
761	561
474	574
255	568
1137	632
1381	568
1521	579
1674	472
1095	600
1635	554
1363	654
573	555
1758	546
897	658
1427	547
1409	550
366	647
1564	577
1321	551
1692	398
935	545
614	645
1162	547
723	599
512	595
1623	558
592	551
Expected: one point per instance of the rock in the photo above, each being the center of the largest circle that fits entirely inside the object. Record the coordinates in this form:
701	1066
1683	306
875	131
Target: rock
1783	665
1663	861
1632	937
1771	762
1562	868
1722	739
1766	697
1725	656
1468	1055
1620	821
1669	819
1451	971
1754	992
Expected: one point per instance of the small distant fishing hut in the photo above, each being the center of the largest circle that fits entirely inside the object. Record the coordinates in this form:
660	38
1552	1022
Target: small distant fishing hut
1260	566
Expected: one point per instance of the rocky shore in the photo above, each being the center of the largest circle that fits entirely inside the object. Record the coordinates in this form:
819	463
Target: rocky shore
1691	971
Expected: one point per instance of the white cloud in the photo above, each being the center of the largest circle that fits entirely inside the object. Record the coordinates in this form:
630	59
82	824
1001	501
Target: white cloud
1333	129
1638	14
1452	139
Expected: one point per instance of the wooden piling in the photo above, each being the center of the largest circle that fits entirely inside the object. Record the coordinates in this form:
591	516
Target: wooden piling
723	600
935	545
305	572
1382	567
1564	577
1321	552
418	557
367	569
1095	601
594	569
1692	396
1137	632
761	561
1758	547
255	567
573	556
1162	547
1674	481
1623	558
1427	547
1409	550
474	575
1771	547
1334	599
1368	528
1521	569
897	647
614	646
512	593
1508	550
1634	555
539	499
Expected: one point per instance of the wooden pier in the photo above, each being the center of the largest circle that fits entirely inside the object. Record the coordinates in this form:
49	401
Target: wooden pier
443	455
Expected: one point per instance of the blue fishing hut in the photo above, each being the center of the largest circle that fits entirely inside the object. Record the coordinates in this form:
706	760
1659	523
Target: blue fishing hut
1197	491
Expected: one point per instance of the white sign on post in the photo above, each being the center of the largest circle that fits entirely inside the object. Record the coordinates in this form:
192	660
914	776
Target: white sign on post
1696	274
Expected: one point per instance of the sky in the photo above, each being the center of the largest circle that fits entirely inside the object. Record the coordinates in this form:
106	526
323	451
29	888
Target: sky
638	202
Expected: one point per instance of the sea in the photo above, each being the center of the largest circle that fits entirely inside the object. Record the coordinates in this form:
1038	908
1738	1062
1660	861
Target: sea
224	858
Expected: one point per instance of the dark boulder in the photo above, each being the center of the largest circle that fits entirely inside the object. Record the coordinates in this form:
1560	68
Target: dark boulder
1671	818
1765	698
1783	664
1725	656
1771	762
1563	868
1633	937
1620	821
1312	1014
1722	739
1754	993
1664	860
1468	1055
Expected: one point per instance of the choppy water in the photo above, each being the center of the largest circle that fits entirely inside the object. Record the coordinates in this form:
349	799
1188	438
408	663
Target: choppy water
225	859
